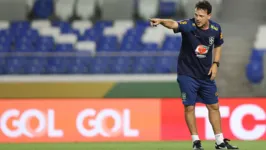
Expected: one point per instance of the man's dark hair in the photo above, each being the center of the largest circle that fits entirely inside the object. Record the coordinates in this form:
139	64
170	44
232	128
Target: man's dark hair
205	5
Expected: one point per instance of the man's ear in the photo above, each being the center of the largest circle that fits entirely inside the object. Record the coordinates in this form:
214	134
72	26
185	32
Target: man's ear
209	16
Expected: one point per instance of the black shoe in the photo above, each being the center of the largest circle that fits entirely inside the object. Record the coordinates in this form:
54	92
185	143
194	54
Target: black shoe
197	145
225	145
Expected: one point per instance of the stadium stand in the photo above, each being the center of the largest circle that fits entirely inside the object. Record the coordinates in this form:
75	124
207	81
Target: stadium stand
41	9
62	46
255	68
102	37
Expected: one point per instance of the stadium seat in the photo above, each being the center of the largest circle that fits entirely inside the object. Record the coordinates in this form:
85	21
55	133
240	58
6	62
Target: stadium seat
143	65
255	67
257	55
123	23
15	65
82	25
115	31
85	9
121	65
58	65
100	65
30	33
55	69
4	25
34	69
61	24
167	7
5	40
4	48
44	48
35	65
108	43
148	8
153	35
110	31
166	64
130	39
64	9
39	24
45	40
150	47
78	69
130	47
18	26
120	27
2	65
80	61
92	34
24	47
99	25
50	31
86	46
65	28
103	37
5	33
141	23
27	35
43	8
64	47
255	71
66	39
171	43
260	38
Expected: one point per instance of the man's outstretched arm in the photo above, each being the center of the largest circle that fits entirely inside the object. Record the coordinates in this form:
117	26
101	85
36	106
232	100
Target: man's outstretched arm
168	23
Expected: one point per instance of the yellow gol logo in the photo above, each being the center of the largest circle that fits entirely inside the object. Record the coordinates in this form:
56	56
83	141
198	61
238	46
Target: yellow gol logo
216	94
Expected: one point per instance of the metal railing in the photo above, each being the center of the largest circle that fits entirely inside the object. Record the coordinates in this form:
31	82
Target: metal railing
88	53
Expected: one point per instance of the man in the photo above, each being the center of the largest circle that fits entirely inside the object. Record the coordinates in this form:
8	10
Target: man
197	71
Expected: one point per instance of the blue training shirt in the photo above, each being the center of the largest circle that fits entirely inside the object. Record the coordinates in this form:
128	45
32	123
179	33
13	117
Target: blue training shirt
195	57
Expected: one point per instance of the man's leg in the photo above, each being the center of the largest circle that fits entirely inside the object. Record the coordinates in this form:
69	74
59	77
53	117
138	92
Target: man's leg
191	122
208	93
215	120
189	88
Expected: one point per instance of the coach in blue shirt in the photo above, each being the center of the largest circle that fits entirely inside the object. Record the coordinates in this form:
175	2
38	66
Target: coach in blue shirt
197	71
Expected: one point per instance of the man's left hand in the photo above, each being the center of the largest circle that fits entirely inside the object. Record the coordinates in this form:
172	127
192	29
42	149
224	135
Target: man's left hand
213	71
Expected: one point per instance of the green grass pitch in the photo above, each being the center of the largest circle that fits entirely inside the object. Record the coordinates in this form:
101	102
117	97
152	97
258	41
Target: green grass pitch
178	145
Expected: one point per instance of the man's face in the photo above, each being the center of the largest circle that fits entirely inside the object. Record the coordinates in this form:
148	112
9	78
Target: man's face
201	17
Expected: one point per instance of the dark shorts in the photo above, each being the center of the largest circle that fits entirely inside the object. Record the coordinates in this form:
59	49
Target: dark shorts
195	90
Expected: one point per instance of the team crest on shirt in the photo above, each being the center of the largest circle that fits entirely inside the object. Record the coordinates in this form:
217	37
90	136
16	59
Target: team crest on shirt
201	51
211	40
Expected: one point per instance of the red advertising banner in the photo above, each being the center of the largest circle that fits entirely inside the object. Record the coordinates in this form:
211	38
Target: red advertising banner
242	119
79	120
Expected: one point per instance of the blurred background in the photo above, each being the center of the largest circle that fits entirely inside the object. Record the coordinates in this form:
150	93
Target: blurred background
113	37
56	50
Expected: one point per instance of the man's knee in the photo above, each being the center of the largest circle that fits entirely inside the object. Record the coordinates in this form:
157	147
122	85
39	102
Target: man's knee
213	107
190	108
